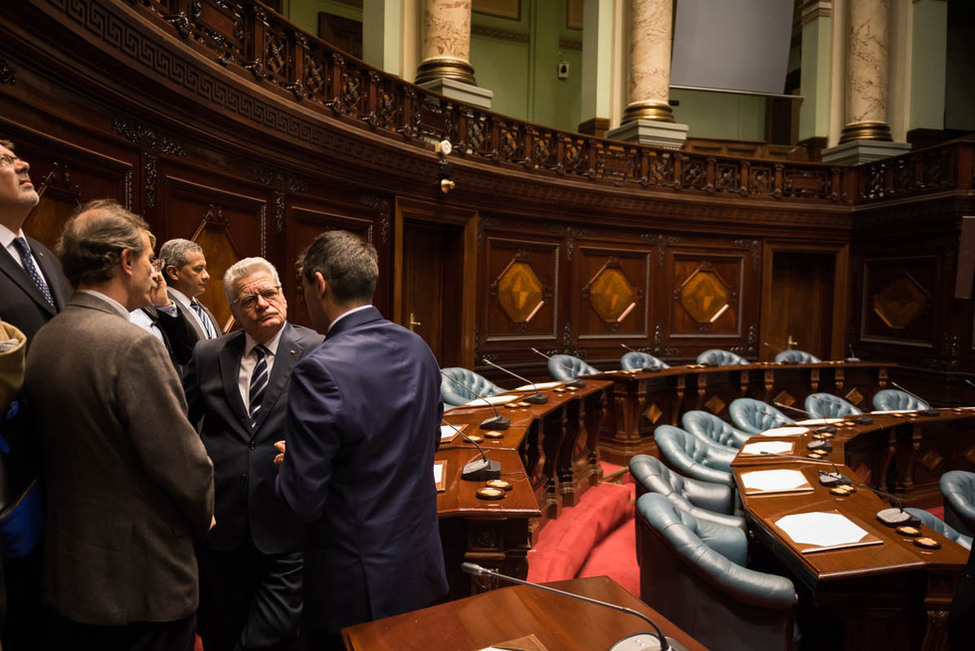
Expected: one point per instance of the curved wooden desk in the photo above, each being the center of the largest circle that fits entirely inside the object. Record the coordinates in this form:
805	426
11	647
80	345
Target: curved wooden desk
888	595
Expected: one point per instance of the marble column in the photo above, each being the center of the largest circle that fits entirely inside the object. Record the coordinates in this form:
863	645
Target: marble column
868	42
651	31
446	49
648	118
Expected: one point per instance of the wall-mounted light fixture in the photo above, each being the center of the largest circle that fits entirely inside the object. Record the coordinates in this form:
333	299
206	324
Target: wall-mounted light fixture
445	170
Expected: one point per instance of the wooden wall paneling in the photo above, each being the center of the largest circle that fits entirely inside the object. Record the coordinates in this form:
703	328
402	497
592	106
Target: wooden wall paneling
610	299
226	222
805	296
305	224
898	305
435	276
522	302
713	299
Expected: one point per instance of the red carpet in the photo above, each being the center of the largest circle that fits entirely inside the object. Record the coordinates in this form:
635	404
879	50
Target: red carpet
597	537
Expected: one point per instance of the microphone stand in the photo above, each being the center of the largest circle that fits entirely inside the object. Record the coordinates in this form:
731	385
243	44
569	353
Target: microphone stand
575	383
921	412
638	641
496	423
477	469
538	399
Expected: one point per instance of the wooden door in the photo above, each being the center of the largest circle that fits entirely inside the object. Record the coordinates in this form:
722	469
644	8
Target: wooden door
805	301
434	291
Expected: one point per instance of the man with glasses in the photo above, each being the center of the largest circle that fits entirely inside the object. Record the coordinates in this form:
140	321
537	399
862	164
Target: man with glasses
32	290
237	391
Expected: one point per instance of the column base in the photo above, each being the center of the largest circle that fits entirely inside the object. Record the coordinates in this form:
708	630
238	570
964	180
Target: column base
668	135
863	151
458	90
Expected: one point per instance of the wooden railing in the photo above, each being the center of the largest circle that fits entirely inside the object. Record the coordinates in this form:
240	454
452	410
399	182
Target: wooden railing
249	38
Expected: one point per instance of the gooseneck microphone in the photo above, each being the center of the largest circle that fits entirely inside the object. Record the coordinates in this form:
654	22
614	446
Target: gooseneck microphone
853	356
496	423
894	516
538	399
828	479
641	641
921	412
824	428
576	383
477	469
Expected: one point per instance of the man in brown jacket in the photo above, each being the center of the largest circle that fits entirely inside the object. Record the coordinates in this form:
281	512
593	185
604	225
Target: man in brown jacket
128	481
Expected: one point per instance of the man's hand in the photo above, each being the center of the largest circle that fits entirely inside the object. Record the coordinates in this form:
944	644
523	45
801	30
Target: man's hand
279	459
158	294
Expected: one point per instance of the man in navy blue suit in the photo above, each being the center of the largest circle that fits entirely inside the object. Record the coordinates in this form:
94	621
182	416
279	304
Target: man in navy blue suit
363	425
237	393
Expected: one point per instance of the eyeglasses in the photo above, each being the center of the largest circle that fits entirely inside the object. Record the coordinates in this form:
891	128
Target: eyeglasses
249	301
6	160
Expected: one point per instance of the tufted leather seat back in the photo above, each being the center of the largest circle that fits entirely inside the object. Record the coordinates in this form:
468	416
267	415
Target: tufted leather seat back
474	385
567	367
709	426
754	416
636	361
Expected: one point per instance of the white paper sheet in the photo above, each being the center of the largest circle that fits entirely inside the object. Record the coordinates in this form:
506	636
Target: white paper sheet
786	430
775	481
819	421
768	447
447	432
894	411
438	472
821	529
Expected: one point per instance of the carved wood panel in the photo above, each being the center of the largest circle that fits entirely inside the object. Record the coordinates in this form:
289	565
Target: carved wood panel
899	299
610	292
706	295
521	281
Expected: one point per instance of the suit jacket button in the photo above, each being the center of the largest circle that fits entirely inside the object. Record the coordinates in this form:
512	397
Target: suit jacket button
243	479
253	445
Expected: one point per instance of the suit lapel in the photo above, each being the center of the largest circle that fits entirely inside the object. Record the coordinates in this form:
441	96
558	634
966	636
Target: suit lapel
189	318
17	274
229	360
289	350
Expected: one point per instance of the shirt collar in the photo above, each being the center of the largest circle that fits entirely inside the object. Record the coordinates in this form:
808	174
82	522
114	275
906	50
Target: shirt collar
115	305
180	297
271	344
345	314
7	236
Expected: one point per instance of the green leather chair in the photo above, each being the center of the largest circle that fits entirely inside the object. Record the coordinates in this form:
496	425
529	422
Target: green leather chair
718	357
796	357
566	367
704	500
467	386
637	361
826	405
958	490
693	573
706	425
754	416
894	399
693	457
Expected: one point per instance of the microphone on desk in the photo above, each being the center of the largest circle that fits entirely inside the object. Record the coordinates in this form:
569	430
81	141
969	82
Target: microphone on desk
859	419
496	423
920	412
824	428
828	479
576	383
634	350
853	356
641	641
481	469
538	399
895	516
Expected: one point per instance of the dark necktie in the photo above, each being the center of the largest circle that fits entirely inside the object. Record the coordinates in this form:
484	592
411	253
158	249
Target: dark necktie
207	327
24	250
258	382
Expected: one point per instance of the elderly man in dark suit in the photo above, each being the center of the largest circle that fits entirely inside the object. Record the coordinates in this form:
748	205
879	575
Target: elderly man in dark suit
237	389
32	285
128	480
32	290
363	425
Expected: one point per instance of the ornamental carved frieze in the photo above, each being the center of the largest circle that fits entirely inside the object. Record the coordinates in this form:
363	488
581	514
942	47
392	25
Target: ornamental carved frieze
281	187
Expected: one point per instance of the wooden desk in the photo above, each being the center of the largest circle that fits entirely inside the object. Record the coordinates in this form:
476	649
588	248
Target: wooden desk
644	399
888	596
560	623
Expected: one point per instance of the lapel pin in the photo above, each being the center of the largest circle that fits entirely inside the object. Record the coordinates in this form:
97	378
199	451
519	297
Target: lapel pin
292	351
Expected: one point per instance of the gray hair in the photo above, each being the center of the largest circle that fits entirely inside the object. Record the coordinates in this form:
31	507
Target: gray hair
242	269
174	252
347	262
94	238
